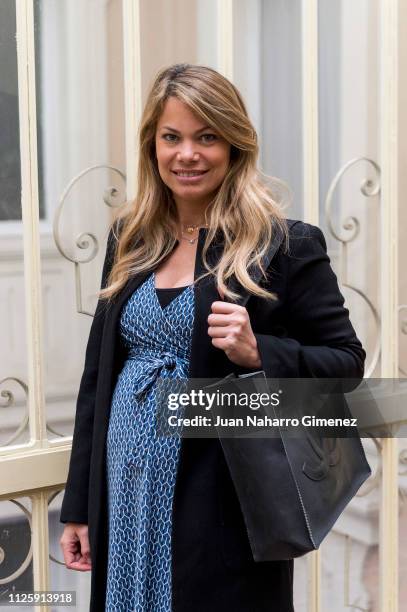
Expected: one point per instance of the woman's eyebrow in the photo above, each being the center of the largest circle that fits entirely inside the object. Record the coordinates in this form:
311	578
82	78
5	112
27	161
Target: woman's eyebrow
168	127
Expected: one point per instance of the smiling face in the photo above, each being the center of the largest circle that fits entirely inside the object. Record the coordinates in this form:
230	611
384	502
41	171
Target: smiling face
193	158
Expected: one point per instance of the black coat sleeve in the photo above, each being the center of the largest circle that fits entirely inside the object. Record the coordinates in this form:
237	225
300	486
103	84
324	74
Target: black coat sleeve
75	503
321	341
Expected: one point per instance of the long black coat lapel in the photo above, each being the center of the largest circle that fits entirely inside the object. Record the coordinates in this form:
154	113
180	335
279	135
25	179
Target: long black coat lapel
255	274
204	360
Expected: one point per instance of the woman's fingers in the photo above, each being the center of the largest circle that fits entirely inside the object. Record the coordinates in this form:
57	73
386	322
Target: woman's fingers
219	320
219	332
225	307
75	547
85	561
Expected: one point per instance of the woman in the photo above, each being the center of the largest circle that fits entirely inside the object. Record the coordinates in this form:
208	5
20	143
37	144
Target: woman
197	282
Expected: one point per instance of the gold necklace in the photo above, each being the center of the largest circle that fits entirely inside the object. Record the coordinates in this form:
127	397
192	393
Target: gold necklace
190	228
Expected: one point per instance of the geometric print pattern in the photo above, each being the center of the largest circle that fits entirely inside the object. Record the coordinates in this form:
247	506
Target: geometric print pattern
141	466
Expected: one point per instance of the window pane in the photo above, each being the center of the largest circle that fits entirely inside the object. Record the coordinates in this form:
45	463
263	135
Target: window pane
13	357
281	96
10	202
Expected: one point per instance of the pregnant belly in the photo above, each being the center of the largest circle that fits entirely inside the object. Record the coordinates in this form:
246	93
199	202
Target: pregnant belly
132	430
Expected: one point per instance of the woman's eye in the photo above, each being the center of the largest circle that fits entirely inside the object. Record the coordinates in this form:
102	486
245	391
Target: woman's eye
170	137
208	137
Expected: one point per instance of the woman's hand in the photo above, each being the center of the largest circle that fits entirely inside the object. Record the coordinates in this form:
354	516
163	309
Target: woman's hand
231	331
75	547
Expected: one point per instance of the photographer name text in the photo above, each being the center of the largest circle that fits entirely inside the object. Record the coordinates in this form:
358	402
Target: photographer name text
258	421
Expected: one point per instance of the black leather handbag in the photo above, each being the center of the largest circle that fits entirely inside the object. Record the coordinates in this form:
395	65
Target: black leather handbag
292	489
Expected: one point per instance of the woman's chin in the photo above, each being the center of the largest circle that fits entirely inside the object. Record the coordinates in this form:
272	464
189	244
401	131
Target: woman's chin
192	194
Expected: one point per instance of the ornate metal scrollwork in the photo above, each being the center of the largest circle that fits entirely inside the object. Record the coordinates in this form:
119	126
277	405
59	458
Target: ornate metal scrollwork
28	558
85	240
9	399
369	188
29	555
50	500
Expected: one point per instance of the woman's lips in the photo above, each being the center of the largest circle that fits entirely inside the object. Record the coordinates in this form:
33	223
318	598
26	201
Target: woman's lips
189	176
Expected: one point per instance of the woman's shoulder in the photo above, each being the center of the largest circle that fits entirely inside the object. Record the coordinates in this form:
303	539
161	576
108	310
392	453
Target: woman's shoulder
304	235
297	227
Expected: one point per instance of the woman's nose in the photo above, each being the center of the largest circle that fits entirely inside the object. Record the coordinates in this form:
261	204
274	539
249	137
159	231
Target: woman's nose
186	152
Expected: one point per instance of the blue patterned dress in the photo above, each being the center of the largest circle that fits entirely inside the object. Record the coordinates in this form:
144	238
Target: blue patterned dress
141	466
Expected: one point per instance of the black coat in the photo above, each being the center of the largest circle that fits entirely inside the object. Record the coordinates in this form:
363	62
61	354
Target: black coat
305	333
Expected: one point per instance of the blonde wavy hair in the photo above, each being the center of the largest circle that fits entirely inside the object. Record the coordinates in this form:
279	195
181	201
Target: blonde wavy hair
243	211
